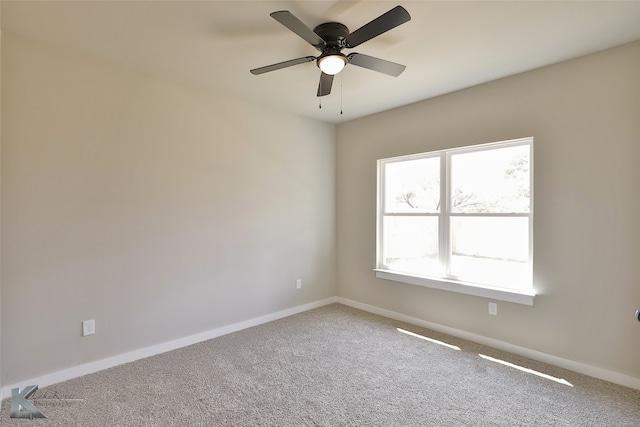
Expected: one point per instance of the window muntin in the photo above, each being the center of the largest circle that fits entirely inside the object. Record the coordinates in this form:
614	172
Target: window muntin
480	236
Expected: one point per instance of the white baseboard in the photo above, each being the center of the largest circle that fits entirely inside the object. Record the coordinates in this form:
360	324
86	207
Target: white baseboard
581	368
110	362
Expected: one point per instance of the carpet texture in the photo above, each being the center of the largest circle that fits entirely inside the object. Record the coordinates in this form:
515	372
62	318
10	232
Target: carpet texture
333	366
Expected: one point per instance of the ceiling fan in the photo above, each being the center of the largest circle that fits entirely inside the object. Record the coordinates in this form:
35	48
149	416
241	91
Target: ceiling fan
331	38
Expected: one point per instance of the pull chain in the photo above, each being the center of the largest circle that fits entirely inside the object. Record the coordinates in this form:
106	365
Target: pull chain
341	92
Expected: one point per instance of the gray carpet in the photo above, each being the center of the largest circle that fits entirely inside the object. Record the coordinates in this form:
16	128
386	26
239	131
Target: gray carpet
333	366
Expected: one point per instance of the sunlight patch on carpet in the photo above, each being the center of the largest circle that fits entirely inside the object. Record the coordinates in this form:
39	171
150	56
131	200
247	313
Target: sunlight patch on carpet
527	370
422	337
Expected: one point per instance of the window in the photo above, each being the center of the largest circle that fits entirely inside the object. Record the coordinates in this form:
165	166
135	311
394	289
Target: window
459	219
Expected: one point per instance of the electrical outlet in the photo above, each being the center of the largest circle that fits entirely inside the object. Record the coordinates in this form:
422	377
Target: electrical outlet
298	283
493	309
88	327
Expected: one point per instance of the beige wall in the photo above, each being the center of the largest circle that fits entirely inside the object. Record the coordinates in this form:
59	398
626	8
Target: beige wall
585	117
156	209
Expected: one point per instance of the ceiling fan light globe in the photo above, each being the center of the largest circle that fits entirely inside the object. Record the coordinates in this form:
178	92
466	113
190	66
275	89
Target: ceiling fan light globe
332	64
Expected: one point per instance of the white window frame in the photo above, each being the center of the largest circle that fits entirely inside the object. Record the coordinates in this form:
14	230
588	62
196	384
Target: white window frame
449	282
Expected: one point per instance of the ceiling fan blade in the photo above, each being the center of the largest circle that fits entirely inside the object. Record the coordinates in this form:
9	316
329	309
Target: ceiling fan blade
376	64
383	23
324	87
290	21
284	64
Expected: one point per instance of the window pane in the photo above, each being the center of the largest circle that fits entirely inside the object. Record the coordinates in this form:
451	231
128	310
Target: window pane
494	180
491	250
412	186
411	245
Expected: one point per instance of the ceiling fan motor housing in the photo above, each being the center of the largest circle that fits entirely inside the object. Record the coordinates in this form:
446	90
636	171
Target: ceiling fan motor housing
334	35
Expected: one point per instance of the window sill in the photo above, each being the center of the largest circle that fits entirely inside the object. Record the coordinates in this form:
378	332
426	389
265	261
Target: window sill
459	287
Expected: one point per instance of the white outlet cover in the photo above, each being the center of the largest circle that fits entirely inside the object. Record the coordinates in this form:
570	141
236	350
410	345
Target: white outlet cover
88	327
493	308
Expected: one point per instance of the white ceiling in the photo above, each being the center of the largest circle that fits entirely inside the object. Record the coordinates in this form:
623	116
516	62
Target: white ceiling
447	45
